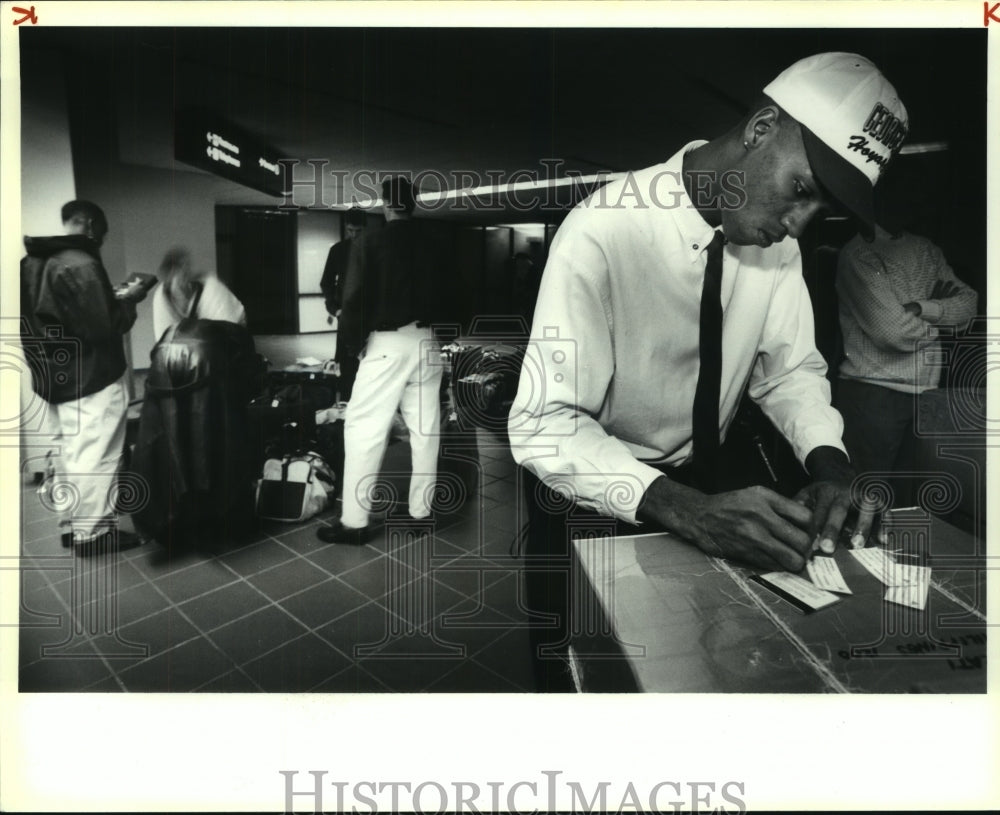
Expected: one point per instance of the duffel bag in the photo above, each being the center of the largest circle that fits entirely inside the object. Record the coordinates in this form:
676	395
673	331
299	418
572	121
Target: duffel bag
294	487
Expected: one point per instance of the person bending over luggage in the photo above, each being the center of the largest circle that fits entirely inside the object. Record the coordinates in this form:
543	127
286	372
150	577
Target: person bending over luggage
185	291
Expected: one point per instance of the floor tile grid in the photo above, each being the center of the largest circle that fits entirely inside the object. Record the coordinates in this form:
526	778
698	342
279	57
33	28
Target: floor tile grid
312	632
152	581
200	633
494	482
451	561
486	503
493	565
237	578
502	633
88	644
493	571
339	645
145	578
489	577
495	542
50	588
477	659
207	632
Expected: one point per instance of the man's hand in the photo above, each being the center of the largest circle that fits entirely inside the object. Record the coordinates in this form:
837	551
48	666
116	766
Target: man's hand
133	295
135	289
944	289
828	497
755	525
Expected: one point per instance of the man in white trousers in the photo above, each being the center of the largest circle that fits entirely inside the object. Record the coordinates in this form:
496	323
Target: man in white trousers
76	324
396	288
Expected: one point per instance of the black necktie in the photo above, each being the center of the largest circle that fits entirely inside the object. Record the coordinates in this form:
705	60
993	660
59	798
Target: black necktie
705	425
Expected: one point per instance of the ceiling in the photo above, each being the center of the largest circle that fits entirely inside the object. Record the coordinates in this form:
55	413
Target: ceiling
447	102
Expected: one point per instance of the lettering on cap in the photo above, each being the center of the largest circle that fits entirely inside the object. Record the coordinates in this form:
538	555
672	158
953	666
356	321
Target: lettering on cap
885	127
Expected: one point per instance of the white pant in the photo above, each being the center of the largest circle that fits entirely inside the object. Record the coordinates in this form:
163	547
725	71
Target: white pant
90	438
399	369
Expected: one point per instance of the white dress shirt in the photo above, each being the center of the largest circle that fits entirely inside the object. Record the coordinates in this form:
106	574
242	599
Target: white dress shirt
608	382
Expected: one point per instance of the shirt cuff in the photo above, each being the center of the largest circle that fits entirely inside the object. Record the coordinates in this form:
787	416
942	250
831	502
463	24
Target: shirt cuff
930	310
809	441
619	495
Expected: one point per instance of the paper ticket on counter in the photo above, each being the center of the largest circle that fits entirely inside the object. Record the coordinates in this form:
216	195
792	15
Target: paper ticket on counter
880	564
907	584
825	573
797	590
911	590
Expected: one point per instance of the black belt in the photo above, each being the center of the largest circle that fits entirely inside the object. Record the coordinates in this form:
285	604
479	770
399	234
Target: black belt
387	327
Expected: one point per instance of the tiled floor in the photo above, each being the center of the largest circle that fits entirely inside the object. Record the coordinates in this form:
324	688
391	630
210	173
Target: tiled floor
284	611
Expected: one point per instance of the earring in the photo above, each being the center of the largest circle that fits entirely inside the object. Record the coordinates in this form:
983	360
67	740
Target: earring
746	145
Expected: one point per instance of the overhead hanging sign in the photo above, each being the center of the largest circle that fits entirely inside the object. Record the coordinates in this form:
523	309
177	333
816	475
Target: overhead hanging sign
207	141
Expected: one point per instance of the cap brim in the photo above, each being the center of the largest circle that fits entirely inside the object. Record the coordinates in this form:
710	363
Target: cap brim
845	182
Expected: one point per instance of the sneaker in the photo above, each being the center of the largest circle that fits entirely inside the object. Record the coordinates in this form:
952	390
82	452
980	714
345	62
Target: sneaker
338	533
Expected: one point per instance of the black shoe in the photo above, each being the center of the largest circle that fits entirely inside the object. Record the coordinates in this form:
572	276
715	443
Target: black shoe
103	543
90	546
408	518
338	533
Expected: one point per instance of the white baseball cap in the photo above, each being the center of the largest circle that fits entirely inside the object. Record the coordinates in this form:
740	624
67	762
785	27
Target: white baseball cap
853	123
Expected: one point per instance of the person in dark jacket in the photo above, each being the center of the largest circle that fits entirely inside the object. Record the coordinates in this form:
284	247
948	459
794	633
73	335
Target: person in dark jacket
398	287
74	324
332	286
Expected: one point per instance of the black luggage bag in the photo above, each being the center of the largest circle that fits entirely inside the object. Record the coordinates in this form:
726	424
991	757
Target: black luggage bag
283	418
191	449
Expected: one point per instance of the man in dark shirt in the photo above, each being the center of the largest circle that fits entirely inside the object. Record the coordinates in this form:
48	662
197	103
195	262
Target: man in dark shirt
332	286
397	286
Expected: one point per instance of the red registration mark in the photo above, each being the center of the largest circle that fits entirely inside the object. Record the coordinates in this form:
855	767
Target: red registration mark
28	14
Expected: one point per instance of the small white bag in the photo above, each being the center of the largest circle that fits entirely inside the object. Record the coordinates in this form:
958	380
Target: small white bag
294	488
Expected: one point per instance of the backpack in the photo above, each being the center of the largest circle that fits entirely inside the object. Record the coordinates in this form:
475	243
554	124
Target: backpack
294	487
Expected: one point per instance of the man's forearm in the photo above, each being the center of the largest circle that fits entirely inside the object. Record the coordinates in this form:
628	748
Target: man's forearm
753	525
672	505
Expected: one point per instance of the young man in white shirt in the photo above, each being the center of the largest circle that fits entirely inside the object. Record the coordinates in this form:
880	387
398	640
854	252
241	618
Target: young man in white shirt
609	421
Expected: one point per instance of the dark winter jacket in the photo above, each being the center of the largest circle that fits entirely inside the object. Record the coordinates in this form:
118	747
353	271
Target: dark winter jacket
72	324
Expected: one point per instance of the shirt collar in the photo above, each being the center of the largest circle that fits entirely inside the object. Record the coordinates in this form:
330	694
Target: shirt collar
695	231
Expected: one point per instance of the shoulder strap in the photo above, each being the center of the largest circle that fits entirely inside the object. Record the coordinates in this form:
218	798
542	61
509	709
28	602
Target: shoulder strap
193	305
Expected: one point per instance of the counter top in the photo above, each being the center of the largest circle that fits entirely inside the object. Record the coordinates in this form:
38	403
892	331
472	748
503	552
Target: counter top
653	613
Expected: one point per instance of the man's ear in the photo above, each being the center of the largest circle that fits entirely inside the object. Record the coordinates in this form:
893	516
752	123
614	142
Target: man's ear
760	126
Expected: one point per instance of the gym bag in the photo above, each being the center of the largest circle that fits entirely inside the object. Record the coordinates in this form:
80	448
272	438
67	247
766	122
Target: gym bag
294	487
